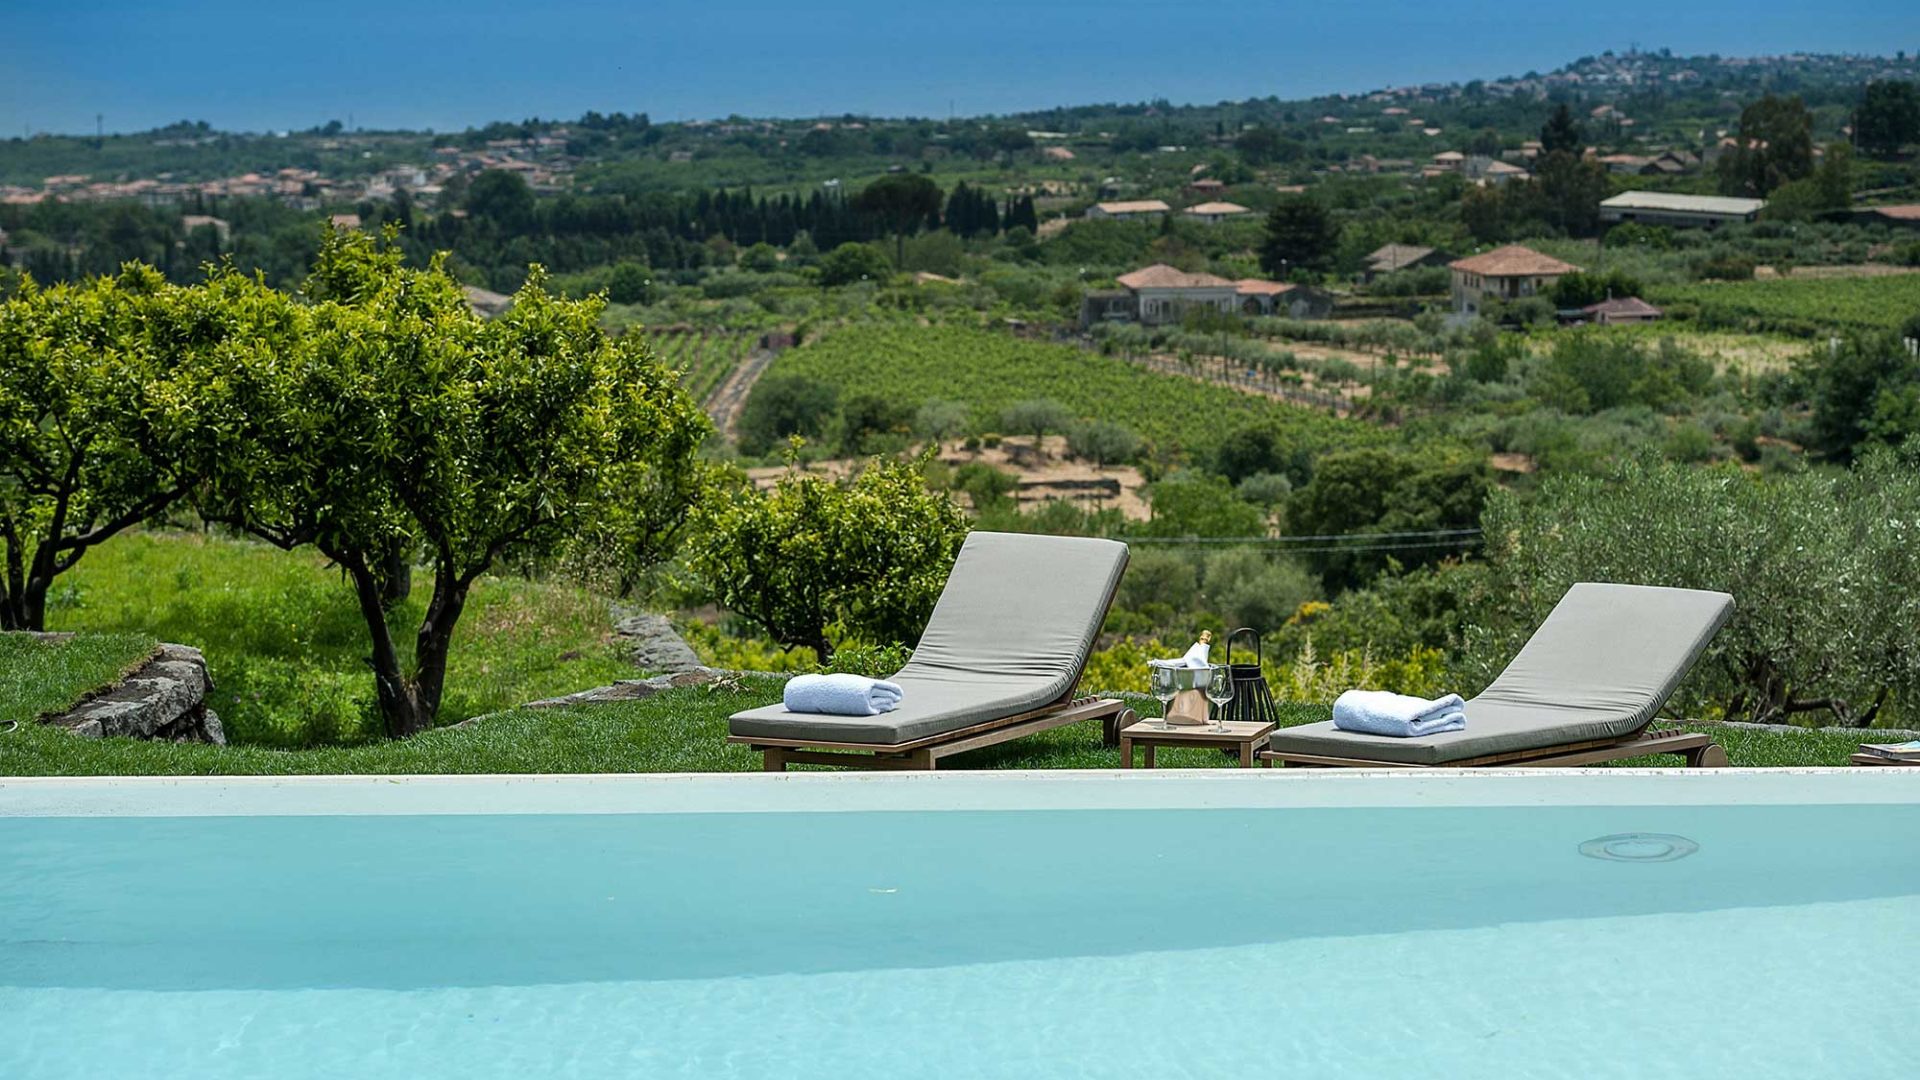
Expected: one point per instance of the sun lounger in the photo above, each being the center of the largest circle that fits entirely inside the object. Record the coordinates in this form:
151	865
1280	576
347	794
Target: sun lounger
1000	658
1584	690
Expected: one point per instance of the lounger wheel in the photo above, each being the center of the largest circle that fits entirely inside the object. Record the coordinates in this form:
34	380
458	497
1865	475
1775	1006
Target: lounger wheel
1110	730
1711	756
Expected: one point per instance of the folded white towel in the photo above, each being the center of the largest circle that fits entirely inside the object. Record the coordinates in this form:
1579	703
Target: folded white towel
841	695
1378	712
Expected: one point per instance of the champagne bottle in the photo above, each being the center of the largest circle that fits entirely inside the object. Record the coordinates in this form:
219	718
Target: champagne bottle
1196	656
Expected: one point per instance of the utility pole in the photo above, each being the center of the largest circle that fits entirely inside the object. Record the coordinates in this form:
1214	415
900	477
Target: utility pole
99	127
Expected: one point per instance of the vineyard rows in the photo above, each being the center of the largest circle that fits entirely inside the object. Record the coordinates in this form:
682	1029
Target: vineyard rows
703	358
1801	306
989	372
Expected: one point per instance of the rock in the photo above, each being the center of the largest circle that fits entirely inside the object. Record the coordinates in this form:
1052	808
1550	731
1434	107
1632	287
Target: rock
628	689
651	642
165	698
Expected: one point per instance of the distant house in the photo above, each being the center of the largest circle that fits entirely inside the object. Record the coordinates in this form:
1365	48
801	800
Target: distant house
345	222
1490	171
1129	209
1450	160
1674	162
1680	211
1394	257
1163	294
190	222
1160	294
1206	186
485	303
1505	273
1215	212
1618	310
1627	164
1905	217
1260	297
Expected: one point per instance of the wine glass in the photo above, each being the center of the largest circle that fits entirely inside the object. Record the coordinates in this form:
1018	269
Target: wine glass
1219	691
1161	680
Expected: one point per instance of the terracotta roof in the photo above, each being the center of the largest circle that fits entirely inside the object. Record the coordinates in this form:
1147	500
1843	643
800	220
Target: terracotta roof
1631	306
1134	206
1217	208
1513	261
1909	212
1162	276
1257	287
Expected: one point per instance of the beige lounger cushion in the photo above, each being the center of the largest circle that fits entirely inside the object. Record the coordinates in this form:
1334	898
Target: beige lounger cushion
1010	634
1600	667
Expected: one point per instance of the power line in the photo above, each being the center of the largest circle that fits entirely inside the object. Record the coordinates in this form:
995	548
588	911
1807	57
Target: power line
1453	536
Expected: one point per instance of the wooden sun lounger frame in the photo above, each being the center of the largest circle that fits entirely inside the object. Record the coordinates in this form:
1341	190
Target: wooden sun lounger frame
1699	750
925	753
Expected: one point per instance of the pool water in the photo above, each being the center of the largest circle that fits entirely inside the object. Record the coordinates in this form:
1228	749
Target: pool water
1441	942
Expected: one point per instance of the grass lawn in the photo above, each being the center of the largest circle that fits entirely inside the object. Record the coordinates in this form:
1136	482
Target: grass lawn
39	677
678	731
285	643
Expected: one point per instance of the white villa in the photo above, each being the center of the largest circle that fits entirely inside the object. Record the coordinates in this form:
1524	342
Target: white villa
1505	273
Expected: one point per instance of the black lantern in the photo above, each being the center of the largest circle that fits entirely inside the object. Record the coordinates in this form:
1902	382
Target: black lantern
1252	701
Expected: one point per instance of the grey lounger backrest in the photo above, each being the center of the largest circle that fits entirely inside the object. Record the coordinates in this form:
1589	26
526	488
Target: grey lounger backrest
1617	651
1022	606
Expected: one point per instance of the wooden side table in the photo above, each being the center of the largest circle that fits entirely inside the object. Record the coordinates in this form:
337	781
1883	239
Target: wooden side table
1149	734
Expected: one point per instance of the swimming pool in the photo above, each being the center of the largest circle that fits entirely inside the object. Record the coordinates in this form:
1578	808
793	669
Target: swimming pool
1717	924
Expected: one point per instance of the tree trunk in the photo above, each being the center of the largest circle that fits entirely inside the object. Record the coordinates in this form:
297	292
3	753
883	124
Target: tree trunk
396	577
13	586
435	641
409	701
394	690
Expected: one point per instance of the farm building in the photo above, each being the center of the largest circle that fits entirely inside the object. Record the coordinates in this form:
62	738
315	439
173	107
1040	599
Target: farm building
1215	212
1129	209
1505	273
1394	257
1678	211
1619	310
1283	298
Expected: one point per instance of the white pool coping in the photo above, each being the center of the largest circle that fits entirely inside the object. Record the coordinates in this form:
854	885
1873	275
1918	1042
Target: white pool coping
1053	789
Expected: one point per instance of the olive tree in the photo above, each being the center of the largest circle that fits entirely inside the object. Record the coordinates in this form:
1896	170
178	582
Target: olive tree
402	421
1824	570
867	557
103	412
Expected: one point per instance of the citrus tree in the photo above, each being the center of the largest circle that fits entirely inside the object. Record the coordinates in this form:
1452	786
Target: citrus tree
104	416
402	421
866	557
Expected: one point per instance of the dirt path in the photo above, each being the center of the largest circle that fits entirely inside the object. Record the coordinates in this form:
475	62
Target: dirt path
727	399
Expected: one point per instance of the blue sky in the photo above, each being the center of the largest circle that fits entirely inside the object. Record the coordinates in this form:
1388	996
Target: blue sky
431	63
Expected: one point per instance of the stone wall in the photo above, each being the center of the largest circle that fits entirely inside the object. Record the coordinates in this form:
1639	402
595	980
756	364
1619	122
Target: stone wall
165	698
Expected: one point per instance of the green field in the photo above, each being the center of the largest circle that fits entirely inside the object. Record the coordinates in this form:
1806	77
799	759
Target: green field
286	646
678	731
39	677
988	372
1801	306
